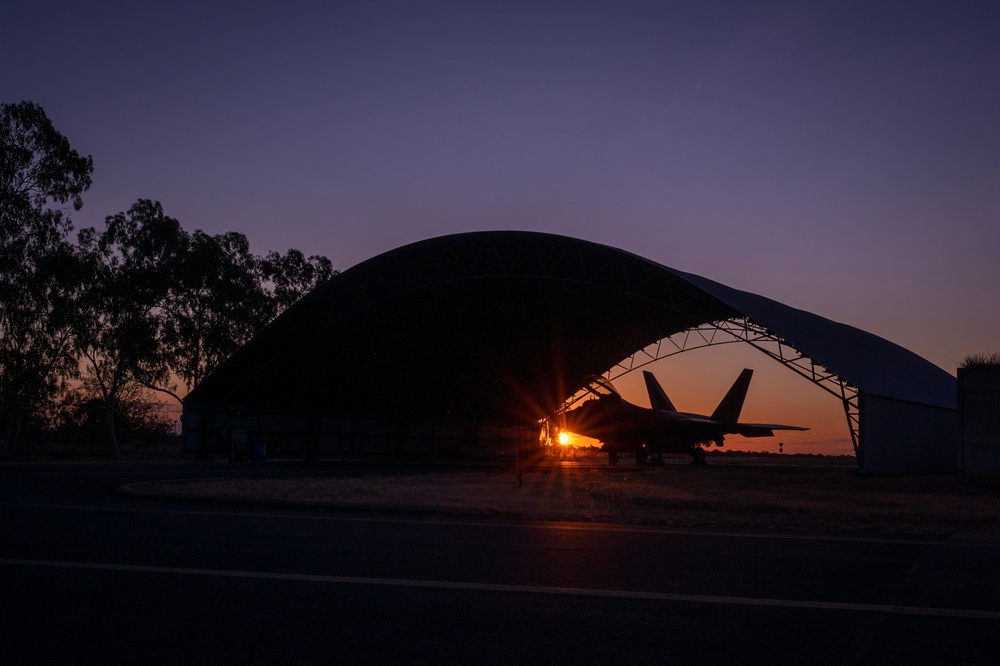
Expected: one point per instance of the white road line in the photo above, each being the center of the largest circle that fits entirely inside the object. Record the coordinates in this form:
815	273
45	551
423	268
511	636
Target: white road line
523	589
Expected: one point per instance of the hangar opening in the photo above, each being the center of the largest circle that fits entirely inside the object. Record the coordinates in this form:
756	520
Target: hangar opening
469	341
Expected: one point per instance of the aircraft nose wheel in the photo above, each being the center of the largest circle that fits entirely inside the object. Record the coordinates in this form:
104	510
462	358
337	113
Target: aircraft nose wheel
698	456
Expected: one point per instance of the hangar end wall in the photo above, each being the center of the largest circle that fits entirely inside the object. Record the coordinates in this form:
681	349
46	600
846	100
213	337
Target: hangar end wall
898	437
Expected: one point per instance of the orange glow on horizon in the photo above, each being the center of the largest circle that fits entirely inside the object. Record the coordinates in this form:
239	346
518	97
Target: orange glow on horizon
697	380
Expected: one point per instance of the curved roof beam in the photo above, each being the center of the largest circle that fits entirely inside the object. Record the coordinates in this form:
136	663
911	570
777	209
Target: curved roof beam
742	330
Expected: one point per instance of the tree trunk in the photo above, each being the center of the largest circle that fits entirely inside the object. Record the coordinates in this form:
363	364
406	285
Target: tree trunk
109	410
9	434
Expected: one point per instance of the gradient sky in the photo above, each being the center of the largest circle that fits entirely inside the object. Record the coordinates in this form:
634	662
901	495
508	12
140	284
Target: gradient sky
841	157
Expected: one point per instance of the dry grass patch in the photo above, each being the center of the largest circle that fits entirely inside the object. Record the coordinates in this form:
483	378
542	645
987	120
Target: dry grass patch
718	496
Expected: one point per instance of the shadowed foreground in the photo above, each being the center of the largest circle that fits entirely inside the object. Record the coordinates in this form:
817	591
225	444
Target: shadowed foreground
91	576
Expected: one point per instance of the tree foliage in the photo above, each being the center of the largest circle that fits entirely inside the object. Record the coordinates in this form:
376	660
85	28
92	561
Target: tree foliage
40	175
163	304
290	276
37	168
981	359
138	305
217	303
131	270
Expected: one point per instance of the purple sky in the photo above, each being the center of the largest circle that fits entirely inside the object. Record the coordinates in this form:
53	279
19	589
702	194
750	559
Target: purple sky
833	156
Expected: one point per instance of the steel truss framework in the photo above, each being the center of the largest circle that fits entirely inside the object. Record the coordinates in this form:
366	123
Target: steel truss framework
742	329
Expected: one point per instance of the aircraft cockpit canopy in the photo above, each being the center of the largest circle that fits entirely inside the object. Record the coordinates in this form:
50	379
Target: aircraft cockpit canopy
601	387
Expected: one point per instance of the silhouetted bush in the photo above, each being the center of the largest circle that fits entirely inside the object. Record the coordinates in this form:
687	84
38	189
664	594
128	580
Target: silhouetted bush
981	359
74	424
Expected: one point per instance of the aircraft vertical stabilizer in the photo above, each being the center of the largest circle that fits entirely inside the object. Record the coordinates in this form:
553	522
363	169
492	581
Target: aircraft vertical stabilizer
729	409
623	427
657	396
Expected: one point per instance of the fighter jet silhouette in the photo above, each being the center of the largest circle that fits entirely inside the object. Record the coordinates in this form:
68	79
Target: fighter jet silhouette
650	432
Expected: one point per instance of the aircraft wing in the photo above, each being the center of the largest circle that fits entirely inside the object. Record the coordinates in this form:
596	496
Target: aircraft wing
762	429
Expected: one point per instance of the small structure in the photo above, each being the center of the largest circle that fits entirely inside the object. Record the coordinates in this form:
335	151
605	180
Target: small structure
979	417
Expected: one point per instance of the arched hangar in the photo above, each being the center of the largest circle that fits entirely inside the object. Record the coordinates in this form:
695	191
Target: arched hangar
472	339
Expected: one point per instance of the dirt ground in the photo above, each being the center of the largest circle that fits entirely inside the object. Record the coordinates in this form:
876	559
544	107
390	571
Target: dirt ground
728	493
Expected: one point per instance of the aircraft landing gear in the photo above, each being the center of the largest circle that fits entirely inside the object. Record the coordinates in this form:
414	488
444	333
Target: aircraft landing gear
612	458
698	456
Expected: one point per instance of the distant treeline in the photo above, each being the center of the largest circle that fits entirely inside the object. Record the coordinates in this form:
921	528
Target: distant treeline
94	327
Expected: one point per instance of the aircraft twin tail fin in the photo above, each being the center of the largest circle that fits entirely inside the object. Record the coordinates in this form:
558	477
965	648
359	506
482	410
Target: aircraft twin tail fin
657	396
729	409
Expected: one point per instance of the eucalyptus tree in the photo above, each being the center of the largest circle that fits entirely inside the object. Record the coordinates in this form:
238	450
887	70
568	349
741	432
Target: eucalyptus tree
290	276
164	305
223	295
41	177
217	303
131	268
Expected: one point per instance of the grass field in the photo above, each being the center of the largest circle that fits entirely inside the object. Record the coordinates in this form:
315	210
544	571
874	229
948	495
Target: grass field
830	496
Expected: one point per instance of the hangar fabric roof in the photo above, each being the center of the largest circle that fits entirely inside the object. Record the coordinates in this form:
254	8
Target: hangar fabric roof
506	325
872	364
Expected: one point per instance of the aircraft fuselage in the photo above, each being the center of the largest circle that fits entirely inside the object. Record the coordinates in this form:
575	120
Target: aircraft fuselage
624	427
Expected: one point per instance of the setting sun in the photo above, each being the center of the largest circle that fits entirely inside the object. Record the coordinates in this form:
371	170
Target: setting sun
563	438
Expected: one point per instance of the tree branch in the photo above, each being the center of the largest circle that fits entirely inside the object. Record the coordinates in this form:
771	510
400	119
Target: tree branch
173	395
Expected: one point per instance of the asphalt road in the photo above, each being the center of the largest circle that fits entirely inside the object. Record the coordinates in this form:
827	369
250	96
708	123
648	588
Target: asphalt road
88	575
